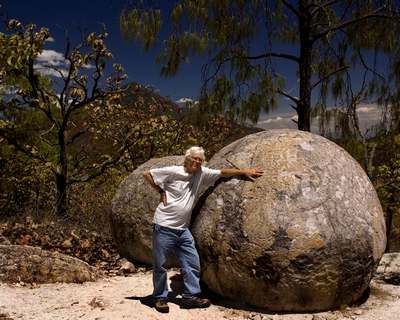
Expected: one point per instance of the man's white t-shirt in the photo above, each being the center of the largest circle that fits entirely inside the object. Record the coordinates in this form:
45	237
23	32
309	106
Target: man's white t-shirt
182	189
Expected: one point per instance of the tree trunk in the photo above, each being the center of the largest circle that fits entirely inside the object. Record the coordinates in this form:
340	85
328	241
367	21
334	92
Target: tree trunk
61	177
304	104
389	223
61	205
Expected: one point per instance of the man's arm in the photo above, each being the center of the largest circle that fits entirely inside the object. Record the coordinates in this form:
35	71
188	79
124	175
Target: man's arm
250	173
163	196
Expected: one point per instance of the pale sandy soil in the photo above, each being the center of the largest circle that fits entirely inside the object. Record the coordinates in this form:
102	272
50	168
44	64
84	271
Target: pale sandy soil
124	298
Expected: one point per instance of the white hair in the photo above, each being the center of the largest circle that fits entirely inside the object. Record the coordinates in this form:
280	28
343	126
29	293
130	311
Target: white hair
195	151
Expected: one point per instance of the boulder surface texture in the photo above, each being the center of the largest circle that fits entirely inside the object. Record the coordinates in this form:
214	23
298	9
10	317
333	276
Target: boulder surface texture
133	208
306	236
32	264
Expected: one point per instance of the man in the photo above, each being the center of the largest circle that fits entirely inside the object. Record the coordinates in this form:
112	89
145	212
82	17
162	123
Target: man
179	187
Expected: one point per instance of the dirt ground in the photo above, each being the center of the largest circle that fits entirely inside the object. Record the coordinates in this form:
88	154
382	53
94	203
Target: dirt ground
128	298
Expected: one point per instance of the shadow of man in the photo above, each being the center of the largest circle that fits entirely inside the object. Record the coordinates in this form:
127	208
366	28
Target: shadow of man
176	286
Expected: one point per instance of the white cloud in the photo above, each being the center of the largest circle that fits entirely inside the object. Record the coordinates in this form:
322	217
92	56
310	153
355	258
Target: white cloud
270	120
50	39
48	60
44	70
368	115
52	58
184	101
279	121
88	66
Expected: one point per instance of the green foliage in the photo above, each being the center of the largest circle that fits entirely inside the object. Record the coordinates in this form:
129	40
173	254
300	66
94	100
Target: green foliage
328	36
147	124
145	24
384	173
25	185
39	114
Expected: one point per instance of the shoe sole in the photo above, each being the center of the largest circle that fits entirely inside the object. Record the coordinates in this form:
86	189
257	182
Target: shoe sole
195	307
162	310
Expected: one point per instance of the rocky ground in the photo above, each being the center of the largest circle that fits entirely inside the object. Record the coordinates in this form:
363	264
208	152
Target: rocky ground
123	291
90	246
127	297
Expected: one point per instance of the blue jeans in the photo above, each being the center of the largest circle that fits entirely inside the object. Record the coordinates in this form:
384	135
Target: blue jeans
166	240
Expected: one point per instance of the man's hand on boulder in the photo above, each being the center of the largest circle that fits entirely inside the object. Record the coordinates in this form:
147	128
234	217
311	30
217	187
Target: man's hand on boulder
253	173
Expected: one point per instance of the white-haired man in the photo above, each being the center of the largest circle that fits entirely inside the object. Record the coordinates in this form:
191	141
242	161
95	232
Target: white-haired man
179	187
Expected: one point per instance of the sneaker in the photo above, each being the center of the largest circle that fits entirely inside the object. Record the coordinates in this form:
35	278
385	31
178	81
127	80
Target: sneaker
161	305
195	302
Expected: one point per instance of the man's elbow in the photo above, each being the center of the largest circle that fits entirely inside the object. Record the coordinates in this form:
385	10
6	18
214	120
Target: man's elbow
146	174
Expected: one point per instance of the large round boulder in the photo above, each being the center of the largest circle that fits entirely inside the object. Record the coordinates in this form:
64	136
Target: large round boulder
306	236
133	208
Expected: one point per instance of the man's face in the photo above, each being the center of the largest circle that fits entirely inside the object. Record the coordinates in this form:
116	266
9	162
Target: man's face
193	164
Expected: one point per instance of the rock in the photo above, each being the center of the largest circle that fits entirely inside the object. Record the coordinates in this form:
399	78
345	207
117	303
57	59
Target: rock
97	303
393	279
127	266
32	264
389	268
66	244
133	208
389	264
5	316
306	236
4	241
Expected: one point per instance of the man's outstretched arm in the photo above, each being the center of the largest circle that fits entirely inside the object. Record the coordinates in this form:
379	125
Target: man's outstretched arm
250	173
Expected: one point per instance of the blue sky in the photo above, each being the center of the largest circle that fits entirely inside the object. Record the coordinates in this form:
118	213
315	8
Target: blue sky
76	15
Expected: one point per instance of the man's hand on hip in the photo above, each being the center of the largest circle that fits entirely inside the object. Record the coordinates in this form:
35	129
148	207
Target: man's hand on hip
163	197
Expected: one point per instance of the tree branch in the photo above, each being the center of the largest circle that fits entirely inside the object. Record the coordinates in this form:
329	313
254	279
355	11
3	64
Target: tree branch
66	81
13	141
98	71
322	7
368	68
106	164
76	136
291	8
273	54
328	76
287	95
32	79
348	23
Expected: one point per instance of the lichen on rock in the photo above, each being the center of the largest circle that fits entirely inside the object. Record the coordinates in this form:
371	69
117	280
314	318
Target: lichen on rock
306	236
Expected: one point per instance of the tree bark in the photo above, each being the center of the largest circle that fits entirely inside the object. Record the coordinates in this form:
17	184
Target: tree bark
304	104
389	223
62	176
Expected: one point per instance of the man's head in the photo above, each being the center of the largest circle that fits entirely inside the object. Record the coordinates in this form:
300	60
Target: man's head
194	157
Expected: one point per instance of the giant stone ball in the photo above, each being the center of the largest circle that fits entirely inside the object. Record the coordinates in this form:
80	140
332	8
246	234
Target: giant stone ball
133	208
306	236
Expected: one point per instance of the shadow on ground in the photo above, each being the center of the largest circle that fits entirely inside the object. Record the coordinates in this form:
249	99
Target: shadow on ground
176	286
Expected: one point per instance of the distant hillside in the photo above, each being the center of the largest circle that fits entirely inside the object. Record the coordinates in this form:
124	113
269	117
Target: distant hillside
139	96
